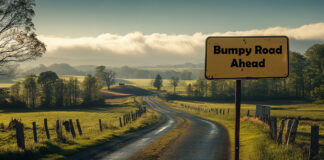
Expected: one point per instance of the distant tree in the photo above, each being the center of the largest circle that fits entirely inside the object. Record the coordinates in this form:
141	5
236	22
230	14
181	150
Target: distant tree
185	75
15	92
315	71
18	42
158	82
174	83
46	80
109	77
189	90
99	74
103	76
90	89
30	87
296	77
59	93
72	91
213	88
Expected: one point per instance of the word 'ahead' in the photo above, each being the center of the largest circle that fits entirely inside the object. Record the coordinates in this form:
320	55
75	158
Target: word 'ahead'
246	57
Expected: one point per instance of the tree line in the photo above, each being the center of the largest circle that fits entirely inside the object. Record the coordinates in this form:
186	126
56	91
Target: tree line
48	90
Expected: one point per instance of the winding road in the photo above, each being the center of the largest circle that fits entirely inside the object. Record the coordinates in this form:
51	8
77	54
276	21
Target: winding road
203	140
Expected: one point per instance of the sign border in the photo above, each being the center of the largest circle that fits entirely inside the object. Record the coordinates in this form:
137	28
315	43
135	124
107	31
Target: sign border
282	36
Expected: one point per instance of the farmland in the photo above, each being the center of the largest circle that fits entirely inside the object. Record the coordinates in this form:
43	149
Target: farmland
88	116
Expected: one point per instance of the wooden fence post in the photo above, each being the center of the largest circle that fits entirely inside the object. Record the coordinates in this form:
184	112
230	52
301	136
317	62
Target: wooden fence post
314	147
293	131
120	122
132	118
282	126
274	127
58	130
100	126
124	119
72	128
20	135
79	127
46	128
35	132
288	130
248	113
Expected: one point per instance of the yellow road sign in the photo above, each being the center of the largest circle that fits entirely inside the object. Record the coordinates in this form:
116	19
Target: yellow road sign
247	57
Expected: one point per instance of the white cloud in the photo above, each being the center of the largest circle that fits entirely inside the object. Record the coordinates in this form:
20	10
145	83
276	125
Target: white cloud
138	43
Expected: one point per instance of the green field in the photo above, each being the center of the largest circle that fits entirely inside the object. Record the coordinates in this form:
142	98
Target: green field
147	84
255	140
88	117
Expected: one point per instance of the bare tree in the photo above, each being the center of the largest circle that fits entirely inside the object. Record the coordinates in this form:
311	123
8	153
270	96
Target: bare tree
109	77
18	42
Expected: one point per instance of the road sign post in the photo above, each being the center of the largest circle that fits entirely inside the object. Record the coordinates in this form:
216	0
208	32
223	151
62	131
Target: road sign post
237	118
252	57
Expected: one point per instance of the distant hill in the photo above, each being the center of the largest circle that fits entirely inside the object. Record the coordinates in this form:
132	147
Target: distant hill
60	69
185	71
88	69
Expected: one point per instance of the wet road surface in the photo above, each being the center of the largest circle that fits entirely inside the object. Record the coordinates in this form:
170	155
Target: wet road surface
203	140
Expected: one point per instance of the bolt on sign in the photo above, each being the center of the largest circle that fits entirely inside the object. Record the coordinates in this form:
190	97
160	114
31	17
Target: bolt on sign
247	57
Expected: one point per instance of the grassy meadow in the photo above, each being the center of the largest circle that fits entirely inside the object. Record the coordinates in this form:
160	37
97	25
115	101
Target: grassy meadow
88	117
147	84
254	135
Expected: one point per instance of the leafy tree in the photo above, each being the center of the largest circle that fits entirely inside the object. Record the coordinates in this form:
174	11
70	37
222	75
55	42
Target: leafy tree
59	93
105	76
158	82
109	77
30	87
15	92
296	78
18	42
174	82
90	90
315	56
46	80
100	71
213	88
189	90
72	91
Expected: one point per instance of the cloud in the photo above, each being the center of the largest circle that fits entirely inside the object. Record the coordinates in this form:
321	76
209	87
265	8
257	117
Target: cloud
182	44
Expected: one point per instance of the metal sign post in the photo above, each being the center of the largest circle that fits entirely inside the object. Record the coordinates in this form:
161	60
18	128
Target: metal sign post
237	118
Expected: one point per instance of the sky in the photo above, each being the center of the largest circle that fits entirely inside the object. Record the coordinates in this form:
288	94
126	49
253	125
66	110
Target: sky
151	32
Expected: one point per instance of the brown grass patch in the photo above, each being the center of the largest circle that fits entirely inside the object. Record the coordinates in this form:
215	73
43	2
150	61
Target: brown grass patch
116	100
